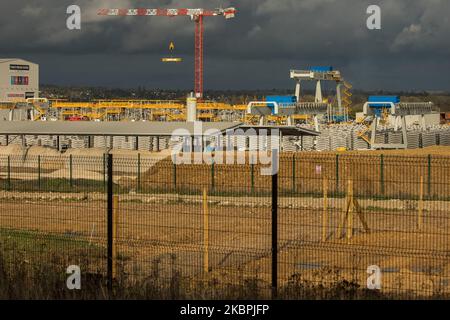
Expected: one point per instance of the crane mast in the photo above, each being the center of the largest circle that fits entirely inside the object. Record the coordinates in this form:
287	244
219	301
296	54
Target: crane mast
197	16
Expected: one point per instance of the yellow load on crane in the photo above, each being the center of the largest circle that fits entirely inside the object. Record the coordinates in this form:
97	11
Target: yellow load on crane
171	58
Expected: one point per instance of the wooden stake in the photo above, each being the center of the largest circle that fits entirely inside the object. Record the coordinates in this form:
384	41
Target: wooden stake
114	235
361	215
343	216
325	210
351	206
420	207
205	232
342	220
350	210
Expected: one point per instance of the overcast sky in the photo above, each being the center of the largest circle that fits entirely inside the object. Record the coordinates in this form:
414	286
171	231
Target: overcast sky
255	50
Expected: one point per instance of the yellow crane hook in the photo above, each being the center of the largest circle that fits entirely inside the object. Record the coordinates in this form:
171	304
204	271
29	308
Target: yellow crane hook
171	58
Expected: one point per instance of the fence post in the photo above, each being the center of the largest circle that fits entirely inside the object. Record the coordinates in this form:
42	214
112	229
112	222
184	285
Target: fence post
70	171
382	173
420	206
212	176
337	173
104	172
205	232
175	171
429	176
275	235
9	172
110	208
39	172
114	234
293	172
138	187
325	210
252	176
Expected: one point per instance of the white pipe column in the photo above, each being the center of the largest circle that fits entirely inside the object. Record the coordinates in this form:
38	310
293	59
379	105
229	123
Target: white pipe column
319	97
316	123
298	90
191	108
423	123
339	97
262	120
404	132
396	122
289	121
374	131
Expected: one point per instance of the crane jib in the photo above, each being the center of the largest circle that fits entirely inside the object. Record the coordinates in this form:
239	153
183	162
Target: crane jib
228	13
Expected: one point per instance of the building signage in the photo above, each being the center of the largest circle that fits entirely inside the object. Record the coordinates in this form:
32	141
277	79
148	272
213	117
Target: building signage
15	95
20	67
19	81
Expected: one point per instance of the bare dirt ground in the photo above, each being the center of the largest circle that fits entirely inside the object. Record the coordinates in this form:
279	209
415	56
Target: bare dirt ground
169	237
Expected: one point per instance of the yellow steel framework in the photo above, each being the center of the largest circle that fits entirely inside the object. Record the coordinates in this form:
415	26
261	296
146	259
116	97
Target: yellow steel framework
364	133
37	104
300	117
346	100
7	105
251	119
167	110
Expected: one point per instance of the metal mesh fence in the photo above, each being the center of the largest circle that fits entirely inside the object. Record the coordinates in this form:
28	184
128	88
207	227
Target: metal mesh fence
209	227
353	214
53	214
185	222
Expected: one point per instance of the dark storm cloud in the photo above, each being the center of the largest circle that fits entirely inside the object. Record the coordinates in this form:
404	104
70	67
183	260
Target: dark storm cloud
254	50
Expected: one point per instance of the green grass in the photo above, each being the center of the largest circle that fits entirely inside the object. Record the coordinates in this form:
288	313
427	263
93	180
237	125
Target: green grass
38	243
60	185
54	185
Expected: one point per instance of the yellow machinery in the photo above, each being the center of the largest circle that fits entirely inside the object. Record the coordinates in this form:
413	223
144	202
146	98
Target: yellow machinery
117	109
39	105
303	117
251	119
7	105
279	120
152	110
208	117
363	134
346	100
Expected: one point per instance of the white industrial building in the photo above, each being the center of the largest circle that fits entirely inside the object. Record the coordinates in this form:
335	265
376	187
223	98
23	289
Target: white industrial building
19	80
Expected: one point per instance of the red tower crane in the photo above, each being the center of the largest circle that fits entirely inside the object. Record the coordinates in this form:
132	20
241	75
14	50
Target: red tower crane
196	15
